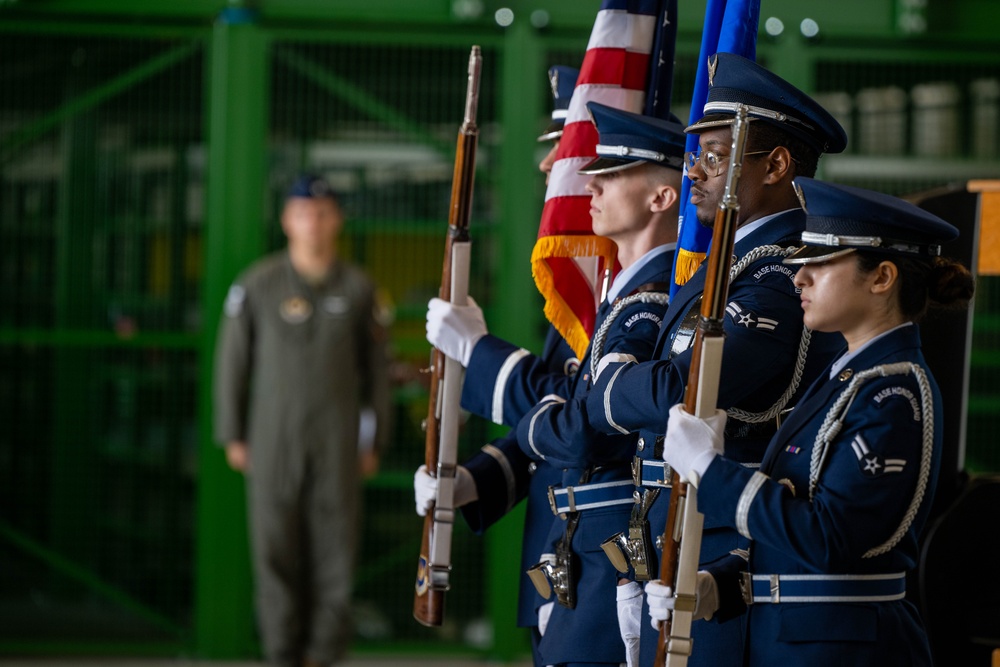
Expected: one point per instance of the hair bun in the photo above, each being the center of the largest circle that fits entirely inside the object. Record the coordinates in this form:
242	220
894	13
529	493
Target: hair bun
949	283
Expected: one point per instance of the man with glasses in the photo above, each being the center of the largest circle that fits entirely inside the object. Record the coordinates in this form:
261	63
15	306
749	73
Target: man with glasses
765	344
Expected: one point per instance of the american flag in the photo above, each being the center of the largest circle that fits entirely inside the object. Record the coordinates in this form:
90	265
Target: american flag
730	27
628	65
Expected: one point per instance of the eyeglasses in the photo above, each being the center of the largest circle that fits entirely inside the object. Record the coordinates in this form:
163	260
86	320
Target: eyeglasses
711	163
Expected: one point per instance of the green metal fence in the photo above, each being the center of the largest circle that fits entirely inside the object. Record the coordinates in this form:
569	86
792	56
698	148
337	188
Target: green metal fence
140	169
98	336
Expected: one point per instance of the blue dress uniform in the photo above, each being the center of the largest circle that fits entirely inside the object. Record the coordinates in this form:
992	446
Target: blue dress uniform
594	498
502	473
763	326
587	633
510	380
835	520
870	476
504	476
763	329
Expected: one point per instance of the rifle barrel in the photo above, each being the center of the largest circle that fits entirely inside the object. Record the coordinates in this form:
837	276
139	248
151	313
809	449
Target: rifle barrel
701	393
428	599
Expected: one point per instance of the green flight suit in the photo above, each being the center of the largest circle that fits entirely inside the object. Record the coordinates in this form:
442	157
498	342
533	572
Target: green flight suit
295	364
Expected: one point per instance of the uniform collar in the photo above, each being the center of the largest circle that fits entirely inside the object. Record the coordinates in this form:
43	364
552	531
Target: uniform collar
626	275
750	228
842	362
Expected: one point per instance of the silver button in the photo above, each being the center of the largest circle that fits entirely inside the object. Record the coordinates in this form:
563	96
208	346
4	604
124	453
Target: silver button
641	445
532	467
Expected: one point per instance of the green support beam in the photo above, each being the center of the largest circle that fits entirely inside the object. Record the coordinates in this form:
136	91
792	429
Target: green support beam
93	582
363	101
237	92
960	20
79	103
518	312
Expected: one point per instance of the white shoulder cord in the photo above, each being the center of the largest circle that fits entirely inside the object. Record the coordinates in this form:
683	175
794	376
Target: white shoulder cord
835	419
800	361
597	349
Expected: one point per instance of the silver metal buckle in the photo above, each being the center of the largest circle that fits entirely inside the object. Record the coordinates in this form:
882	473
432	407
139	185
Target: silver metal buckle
552	500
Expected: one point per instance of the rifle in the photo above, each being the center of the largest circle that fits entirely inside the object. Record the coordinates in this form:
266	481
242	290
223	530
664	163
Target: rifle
441	425
682	533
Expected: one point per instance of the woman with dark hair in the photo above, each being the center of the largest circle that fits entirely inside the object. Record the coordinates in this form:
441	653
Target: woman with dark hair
835	510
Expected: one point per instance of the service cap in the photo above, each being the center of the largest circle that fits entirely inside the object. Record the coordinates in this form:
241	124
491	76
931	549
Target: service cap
629	139
734	80
841	219
563	81
311	186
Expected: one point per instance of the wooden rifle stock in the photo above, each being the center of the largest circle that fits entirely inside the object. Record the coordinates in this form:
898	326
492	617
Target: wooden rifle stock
700	399
441	425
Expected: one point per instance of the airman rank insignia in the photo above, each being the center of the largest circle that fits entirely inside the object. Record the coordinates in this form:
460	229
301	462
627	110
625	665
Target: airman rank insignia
748	319
571	366
871	464
335	305
845	375
295	310
234	301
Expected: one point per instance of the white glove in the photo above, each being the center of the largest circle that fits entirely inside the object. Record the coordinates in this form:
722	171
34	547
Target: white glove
660	599
425	488
455	330
544	612
629	619
691	443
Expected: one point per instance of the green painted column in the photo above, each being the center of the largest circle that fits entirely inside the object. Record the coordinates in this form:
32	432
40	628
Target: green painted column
518	309
237	94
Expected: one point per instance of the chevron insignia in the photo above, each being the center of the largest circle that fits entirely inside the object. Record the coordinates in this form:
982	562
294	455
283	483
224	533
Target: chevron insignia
871	464
748	318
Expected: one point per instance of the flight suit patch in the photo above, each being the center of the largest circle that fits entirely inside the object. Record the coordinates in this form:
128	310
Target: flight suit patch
295	310
235	299
336	305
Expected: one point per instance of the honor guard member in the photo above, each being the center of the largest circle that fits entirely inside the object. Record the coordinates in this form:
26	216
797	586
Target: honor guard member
301	351
765	342
635	198
836	509
497	478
